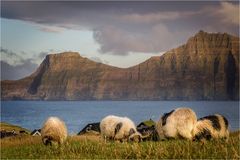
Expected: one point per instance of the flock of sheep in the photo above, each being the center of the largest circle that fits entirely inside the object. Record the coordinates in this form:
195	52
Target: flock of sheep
181	122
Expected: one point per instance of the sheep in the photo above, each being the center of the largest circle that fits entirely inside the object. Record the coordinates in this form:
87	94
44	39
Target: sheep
108	125
119	128
212	126
177	123
53	131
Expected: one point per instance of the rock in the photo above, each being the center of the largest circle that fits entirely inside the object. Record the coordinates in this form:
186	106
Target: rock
205	68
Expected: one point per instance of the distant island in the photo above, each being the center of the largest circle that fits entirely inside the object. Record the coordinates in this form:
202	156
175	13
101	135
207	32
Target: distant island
205	68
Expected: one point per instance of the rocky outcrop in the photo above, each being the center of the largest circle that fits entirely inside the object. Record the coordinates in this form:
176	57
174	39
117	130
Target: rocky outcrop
205	68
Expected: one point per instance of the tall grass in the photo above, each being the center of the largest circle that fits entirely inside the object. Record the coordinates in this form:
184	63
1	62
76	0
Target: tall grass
87	147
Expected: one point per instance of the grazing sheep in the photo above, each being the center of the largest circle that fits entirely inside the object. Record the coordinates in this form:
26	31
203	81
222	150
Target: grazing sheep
108	125
177	123
213	126
119	128
53	131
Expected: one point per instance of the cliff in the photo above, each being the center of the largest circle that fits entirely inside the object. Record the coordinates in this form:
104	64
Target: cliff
205	68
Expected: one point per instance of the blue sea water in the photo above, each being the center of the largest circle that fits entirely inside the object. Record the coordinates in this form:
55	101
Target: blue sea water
77	114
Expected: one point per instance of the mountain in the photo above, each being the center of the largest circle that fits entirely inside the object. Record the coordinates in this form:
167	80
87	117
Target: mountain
205	68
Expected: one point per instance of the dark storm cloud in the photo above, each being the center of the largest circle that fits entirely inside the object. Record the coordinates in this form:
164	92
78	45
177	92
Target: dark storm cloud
123	27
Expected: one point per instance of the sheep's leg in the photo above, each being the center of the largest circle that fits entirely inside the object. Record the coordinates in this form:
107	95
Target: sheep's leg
227	136
104	138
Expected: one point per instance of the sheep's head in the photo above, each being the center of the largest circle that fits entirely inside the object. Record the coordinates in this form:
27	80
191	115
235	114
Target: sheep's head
47	140
159	129
135	137
202	134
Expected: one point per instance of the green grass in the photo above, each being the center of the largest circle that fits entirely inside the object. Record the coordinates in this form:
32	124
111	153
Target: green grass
92	147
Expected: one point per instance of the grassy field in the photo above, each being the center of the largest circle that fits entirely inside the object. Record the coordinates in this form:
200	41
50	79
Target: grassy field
92	147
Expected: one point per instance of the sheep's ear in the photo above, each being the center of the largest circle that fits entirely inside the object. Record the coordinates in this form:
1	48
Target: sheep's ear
118	127
131	131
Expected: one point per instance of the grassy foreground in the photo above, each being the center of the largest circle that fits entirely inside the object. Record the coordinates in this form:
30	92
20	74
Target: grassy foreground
92	147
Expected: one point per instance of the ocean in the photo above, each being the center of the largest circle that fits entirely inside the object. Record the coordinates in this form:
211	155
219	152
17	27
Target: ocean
77	114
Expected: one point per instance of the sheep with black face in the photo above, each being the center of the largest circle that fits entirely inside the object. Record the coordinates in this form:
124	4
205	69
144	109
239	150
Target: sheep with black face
212	126
119	128
53	131
177	123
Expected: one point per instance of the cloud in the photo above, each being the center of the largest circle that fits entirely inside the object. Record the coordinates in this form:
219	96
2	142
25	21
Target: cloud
229	13
9	53
114	40
96	59
124	27
17	65
14	66
99	60
11	72
221	18
51	29
11	56
155	17
42	55
19	58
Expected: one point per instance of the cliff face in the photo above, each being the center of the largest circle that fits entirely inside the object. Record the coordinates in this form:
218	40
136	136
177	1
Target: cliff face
205	68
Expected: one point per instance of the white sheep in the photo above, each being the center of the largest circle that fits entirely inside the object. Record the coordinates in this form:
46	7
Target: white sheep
53	131
212	126
177	123
119	128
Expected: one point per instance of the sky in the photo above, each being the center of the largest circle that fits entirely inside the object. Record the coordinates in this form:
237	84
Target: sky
117	33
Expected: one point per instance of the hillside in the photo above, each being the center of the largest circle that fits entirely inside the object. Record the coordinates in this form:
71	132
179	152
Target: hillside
205	68
10	127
